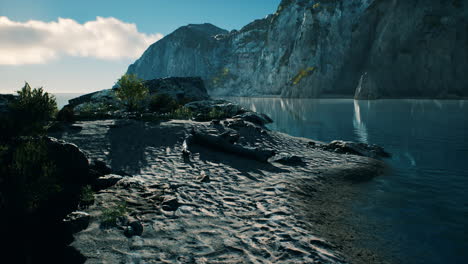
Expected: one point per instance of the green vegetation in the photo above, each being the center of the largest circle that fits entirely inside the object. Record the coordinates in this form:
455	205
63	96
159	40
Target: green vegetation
31	111
182	113
110	216
301	74
216	114
223	76
131	91
35	175
87	195
162	103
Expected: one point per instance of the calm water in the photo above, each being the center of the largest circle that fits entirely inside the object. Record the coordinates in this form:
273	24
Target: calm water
421	207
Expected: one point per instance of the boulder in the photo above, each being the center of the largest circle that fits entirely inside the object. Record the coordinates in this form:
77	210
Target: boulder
224	143
69	160
256	118
100	167
361	149
287	159
182	89
134	228
223	108
170	203
106	181
76	221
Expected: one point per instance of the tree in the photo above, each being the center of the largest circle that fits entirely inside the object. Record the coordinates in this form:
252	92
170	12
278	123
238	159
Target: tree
32	110
131	91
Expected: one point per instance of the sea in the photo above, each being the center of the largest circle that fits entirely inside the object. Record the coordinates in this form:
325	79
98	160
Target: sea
419	209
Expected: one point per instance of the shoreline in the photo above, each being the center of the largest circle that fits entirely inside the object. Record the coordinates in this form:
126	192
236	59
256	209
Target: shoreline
245	216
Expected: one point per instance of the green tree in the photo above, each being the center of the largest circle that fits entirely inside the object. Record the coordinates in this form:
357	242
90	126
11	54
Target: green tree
32	110
131	91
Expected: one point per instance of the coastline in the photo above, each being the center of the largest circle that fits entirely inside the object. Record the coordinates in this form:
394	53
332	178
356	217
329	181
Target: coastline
256	208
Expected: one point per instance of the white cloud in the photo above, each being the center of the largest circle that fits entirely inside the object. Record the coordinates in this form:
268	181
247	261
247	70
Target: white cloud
35	42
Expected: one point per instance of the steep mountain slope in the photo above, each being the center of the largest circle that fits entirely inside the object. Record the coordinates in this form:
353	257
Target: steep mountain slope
367	48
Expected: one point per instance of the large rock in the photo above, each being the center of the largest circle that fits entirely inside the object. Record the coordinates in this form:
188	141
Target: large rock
76	221
179	88
385	49
361	149
219	107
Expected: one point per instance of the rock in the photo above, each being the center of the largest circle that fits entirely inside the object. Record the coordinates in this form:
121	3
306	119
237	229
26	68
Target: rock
204	177
122	173
77	221
332	48
170	203
103	97
256	118
134	228
224	143
202	109
361	149
287	159
69	160
179	88
106	181
101	167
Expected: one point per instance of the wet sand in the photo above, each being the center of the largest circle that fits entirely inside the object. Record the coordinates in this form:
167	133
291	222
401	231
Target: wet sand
247	212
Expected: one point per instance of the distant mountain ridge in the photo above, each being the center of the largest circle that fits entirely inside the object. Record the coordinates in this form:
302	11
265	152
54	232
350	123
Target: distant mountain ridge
367	48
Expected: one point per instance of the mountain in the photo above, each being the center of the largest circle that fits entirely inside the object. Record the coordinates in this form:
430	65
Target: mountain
367	48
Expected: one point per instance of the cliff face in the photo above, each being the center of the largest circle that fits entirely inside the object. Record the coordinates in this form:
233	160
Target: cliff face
367	48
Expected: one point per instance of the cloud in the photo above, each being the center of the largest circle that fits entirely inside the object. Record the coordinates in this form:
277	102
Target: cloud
36	42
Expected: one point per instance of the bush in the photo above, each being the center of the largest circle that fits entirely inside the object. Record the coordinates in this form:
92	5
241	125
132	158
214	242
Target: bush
30	175
182	113
87	195
131	91
216	114
32	110
163	103
110	216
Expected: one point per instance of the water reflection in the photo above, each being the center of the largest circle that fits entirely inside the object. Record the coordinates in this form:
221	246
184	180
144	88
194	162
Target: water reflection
359	126
421	207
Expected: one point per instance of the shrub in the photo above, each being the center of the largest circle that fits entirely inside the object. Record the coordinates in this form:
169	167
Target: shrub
110	216
301	74
216	114
32	110
33	175
131	91
181	113
163	103
87	195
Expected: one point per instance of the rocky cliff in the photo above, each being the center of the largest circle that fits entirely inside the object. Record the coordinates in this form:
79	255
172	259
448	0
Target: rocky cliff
367	48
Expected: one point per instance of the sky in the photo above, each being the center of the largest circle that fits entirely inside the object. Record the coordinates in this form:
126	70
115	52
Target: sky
84	46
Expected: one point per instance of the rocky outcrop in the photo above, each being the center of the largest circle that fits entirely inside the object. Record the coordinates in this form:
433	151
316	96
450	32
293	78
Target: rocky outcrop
354	148
365	48
188	88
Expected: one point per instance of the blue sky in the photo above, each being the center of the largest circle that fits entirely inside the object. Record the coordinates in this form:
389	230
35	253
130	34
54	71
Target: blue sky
95	41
